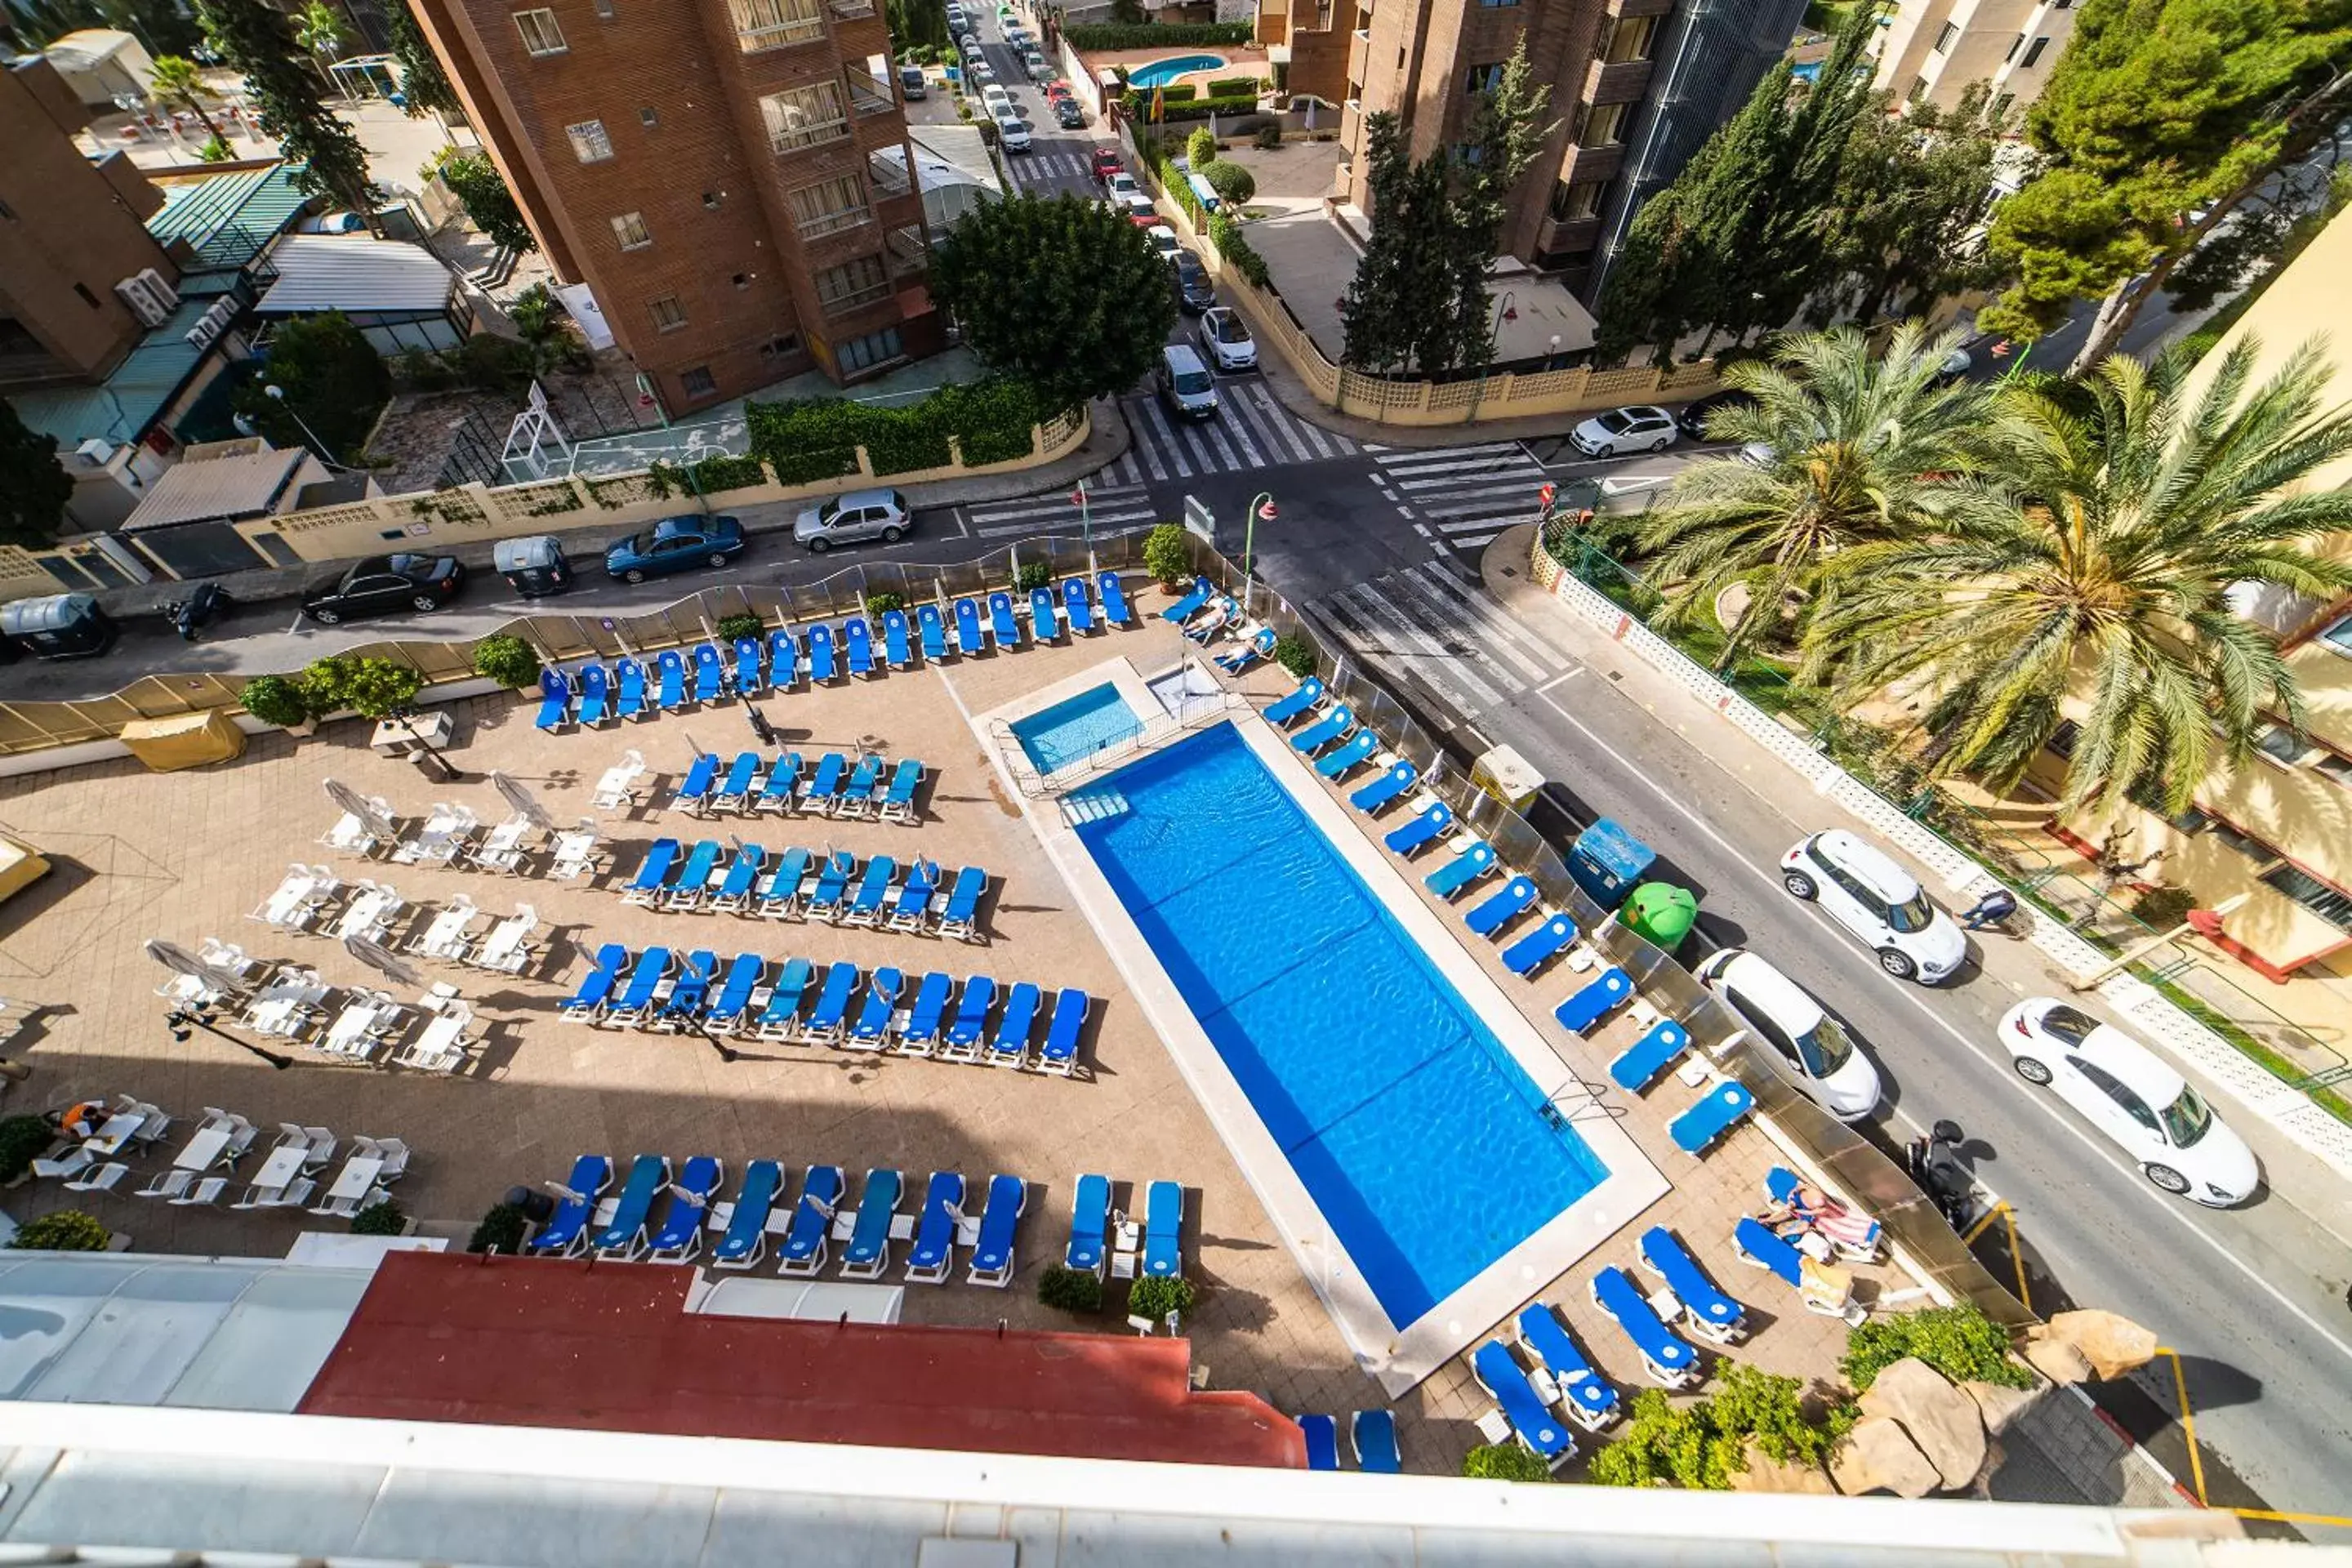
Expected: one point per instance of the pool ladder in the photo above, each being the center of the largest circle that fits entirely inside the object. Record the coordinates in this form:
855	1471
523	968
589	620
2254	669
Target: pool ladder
1093	805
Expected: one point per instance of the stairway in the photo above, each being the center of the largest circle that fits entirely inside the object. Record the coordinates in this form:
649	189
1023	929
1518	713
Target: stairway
1093	805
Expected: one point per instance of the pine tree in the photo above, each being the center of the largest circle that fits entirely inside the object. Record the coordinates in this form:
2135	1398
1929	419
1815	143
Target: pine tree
1784	260
423	84
1508	130
259	42
1901	230
33	485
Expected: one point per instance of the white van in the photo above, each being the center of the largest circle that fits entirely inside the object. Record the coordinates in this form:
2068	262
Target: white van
1185	384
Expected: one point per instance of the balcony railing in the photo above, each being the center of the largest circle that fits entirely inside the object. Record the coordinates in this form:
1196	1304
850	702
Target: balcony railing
772	24
843	303
886	176
908	251
867	96
852	7
832	223
800	138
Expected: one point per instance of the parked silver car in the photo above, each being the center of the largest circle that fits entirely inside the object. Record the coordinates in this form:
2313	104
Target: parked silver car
849	519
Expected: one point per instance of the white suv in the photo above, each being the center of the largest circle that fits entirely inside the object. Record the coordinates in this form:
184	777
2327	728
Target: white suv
1814	1046
1871	896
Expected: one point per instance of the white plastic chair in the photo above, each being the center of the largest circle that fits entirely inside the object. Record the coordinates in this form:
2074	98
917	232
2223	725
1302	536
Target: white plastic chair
167	1184
323	1147
394	1152
205	1192
101	1180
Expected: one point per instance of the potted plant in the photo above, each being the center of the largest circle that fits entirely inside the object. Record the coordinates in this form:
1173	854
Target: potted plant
67	1230
1167	554
1070	1289
881	603
321	684
383	1217
22	1139
742	624
507	659
1295	654
502	1229
276	700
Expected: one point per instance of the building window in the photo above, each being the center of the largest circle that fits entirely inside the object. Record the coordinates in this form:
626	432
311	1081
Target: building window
767	23
2015	44
629	228
667	313
1483	78
1497	4
873	349
2033	54
853	283
1945	37
780	347
828	206
2061	740
589	142
1605	125
648	118
2252	848
540	35
805	117
1580	199
605	9
699	382
87	297
2339	635
2311	893
2280	743
1999	110
1629	39
2335	767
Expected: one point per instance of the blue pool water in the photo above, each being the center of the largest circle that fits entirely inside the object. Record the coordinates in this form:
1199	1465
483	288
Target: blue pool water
1076	727
1160	72
1418	1136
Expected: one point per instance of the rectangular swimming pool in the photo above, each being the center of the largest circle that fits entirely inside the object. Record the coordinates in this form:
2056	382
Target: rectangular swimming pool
1421	1140
1077	727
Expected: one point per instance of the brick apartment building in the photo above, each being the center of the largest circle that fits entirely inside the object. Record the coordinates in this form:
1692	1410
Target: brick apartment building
709	169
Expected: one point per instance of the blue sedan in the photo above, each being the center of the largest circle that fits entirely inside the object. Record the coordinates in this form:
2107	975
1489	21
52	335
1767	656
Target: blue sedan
674	544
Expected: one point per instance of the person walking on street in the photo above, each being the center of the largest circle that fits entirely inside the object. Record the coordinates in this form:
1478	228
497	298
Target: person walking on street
1996	905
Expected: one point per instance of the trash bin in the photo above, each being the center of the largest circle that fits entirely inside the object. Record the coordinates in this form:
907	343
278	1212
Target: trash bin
1606	861
1661	912
533	566
537	1206
58	625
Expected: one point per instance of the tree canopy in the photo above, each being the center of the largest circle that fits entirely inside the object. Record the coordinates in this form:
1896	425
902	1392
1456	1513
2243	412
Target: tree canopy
423	83
260	42
1064	292
1901	230
33	485
332	379
480	188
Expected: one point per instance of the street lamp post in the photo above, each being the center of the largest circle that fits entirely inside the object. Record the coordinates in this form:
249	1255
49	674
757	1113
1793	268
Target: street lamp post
278	395
1261	506
179	1019
1085	521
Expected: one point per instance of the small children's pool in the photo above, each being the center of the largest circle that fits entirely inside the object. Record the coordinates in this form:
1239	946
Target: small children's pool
1158	73
1076	727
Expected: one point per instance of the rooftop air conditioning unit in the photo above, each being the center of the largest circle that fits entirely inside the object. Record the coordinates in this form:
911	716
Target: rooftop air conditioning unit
150	299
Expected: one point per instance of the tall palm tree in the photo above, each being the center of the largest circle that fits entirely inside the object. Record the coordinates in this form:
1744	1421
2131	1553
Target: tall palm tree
177	76
1841	446
318	32
2117	515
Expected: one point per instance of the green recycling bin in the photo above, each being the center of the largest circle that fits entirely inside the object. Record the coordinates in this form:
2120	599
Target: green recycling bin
1661	912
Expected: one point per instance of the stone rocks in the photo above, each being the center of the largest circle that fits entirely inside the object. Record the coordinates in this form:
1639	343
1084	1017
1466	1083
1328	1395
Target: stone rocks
1766	1474
1941	1422
1998	1406
2058	1361
1877	1456
2111	1344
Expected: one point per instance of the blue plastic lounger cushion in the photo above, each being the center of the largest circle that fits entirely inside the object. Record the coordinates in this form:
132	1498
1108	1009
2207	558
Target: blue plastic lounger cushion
737	786
629	676
992	1251
935	1234
689	1201
1611	989
1077	605
1089	1224
832	884
1194	597
833	1002
1428	825
1163	1229
903	780
784	776
934	628
1547	941
1648	1057
820	653
1061	1048
874	887
870	1238
746	665
1373	1432
825	783
1499	1375
652	964
874	1013
930	1007
648	1173
686	998
670	665
1044	625
969	641
747	1226
1501	907
1309	692
654	869
1002	623
1389	788
701	776
595	693
591	1174
784	658
860	787
895	640
1758	1245
743	979
1593	1396
783	883
913	899
1260	646
961	914
1358	748
1322	1442
1671	1359
1709	1308
858	638
1711	1118
804	1248
710	673
1010	1047
693	878
1461	870
597	986
1325	731
781	1010
1114	599
554	698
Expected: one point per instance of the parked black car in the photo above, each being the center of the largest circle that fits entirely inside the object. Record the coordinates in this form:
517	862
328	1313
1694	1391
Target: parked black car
1195	290
387	586
1692	416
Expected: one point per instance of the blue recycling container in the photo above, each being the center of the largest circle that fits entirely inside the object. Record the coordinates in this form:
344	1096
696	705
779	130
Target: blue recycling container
1606	861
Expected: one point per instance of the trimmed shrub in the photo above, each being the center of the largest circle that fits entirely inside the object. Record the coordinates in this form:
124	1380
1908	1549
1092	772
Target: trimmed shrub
1153	35
812	439
387	1219
1070	1289
728	473
507	659
1139	107
1235	86
1960	1341
879	603
1200	150
1504	1462
1698	1445
1233	183
501	1230
1270	136
1295	654
1033	574
1226	236
742	625
378	688
1168	554
1157	1295
324	682
22	1139
67	1230
276	699
1179	92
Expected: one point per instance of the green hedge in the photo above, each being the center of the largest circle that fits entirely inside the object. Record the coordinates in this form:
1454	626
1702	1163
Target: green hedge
1152	34
816	439
1139	107
1179	92
1226	236
725	473
1236	87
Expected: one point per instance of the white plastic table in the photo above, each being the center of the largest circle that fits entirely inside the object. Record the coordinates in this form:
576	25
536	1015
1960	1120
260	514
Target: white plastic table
291	899
202	1150
369	914
355	1027
504	944
359	1174
447	932
118	1130
619	784
279	1170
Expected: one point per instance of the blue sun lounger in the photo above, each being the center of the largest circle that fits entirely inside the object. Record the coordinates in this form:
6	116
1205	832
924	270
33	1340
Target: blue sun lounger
1591	1399
728	1014
1010	1046
873	887
820	654
960	918
745	1239
1078	609
669	671
1540	946
1317	736
1001	624
873	1025
1222	614
934	629
624	1235
783	659
1461	870
1429	825
868	1253
1059	1055
1499	1374
1163	1231
1670	1360
934	1251
653	872
780	1011
566	1227
830	1013
1501	907
1374	1434
709	674
970	639
1089	1224
746	675
637	998
735	790
678	1237
1639	1067
825	901
911	904
1044	623
1259	647
1706	1308
991	1251
970	1027
1358	749
857	796
1322	1442
1283	710
1114	599
596	988
1595	1000
687	888
1861	1238
776	789
693	792
1194	597
1391	786
804	1251
629	689
898	800
1760	1249
554	700
824	783
684	1008
919	1029
1718	1113
595	692
780	896
898	645
858	639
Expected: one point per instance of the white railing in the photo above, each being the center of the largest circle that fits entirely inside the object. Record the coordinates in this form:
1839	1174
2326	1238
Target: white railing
800	137
1194	710
833	223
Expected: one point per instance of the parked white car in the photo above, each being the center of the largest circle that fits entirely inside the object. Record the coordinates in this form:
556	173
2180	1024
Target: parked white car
1163	240
1859	886
1013	131
1123	188
2128	1092
996	101
1227	339
1815	1047
1641	428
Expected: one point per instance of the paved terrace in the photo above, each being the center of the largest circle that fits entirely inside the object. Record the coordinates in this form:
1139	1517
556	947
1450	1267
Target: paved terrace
187	855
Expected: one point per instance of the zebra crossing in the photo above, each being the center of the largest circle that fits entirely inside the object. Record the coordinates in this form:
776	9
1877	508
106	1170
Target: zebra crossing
1252	431
1047	172
1430	626
1111	510
1460	497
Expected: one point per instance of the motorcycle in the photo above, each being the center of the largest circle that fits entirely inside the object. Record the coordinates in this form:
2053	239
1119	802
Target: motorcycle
1935	1163
206	605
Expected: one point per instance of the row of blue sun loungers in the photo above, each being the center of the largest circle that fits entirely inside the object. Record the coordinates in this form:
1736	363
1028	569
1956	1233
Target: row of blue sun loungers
867	785
658	1216
831	886
1159	1253
1371	1432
